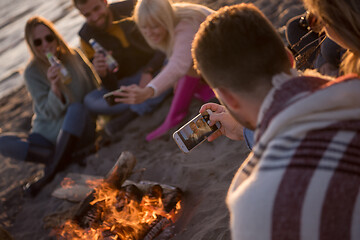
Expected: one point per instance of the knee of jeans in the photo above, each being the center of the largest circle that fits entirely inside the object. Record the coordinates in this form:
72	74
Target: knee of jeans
12	146
76	108
87	100
5	139
3	142
75	112
94	100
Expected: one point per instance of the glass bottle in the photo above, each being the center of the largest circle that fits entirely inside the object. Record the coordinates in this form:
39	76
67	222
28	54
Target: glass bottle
54	61
110	61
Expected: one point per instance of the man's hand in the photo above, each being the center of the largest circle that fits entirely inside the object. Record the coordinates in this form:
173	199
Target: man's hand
229	126
99	62
134	94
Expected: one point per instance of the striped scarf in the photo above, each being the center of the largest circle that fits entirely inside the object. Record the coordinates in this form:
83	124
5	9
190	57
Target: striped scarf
302	179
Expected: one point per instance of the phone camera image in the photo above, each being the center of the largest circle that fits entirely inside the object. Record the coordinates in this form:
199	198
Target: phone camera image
110	97
110	100
194	132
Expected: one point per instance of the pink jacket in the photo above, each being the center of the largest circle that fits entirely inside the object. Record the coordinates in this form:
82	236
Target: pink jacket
180	61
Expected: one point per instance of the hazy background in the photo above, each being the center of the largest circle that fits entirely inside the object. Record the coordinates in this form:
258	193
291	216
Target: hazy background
13	50
14	14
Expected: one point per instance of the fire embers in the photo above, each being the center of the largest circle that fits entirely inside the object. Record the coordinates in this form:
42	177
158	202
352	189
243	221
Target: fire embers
135	211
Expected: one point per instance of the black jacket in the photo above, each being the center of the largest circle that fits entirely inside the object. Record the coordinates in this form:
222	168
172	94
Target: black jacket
131	59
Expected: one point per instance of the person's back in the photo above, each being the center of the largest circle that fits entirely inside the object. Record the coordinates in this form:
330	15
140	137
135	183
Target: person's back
301	180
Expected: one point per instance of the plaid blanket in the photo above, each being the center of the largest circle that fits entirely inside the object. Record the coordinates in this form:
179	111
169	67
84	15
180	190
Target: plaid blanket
302	179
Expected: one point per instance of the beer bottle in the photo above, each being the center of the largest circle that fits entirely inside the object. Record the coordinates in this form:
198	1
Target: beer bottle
110	61
54	61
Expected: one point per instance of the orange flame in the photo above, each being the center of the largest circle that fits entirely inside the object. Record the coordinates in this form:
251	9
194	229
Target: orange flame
94	183
123	218
67	183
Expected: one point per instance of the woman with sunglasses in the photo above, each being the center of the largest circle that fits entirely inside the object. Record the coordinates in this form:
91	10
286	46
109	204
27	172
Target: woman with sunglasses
60	123
170	27
341	21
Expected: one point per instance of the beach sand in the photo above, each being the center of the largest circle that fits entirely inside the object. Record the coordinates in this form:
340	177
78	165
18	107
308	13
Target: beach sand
204	174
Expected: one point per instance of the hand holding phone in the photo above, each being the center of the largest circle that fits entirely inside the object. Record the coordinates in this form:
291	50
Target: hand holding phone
229	126
110	97
195	131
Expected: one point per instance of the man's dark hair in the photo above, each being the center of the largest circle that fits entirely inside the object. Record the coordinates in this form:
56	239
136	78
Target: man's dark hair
239	48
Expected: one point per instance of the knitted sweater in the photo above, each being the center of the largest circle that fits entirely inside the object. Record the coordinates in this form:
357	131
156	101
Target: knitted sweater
302	179
180	61
49	111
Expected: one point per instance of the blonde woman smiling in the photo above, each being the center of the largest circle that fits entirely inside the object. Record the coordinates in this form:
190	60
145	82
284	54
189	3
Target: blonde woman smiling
170	27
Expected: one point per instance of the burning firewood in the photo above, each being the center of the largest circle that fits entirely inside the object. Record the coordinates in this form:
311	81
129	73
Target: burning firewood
121	170
130	211
160	224
115	178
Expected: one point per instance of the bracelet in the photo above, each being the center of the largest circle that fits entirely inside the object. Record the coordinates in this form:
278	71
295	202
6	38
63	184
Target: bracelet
153	88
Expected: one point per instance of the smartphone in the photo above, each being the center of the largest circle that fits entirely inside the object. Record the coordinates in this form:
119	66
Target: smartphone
110	97
195	131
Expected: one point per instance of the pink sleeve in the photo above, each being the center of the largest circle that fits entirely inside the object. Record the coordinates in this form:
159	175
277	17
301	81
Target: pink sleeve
180	61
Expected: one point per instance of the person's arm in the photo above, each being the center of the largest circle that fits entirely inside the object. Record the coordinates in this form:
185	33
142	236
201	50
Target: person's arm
179	64
108	80
180	61
229	126
45	100
54	77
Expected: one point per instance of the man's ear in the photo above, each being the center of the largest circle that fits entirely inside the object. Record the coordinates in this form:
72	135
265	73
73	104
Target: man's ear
229	98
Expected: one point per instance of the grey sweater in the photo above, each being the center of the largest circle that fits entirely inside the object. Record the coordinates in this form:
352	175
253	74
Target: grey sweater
49	111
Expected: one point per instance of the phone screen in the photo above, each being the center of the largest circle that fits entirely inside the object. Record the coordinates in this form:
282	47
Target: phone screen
110	97
196	131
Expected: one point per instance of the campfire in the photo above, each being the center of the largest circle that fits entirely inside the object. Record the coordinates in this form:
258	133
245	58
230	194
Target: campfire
119	209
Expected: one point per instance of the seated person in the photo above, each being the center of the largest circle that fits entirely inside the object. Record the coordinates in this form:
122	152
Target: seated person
311	47
301	181
61	123
311	50
170	27
137	62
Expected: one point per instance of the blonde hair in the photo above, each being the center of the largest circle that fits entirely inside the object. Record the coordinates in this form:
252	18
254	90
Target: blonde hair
168	15
65	53
344	18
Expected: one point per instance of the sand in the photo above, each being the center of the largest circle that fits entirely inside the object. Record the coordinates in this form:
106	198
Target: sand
204	175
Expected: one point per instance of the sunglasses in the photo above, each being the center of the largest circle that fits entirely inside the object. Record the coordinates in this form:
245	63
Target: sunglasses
311	22
48	38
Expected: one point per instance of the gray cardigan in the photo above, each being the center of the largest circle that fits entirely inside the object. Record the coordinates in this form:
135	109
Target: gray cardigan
49	111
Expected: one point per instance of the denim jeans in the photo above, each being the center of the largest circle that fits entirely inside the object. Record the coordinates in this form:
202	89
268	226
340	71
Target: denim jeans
77	122
16	147
249	137
96	104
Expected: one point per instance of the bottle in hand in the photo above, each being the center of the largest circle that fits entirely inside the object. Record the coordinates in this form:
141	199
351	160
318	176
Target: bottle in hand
110	61
54	61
